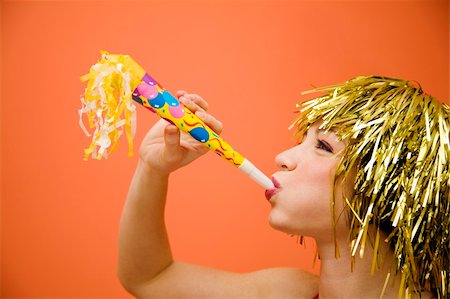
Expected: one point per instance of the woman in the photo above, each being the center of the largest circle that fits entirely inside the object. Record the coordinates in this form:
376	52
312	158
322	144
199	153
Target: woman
376	148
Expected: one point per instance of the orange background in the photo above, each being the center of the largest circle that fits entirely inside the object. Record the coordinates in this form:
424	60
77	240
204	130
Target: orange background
249	59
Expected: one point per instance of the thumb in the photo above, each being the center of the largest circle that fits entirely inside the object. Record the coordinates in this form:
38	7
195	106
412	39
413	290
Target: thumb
172	149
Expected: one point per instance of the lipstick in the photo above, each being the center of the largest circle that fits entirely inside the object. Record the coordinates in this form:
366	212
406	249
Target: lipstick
271	192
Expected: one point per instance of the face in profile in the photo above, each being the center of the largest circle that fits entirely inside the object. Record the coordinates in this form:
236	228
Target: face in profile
302	203
394	172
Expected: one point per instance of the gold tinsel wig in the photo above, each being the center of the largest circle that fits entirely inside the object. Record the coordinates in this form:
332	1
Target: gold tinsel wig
398	140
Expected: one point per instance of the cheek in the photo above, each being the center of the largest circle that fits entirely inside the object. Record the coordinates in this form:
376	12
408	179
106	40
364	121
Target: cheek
314	181
304	203
320	171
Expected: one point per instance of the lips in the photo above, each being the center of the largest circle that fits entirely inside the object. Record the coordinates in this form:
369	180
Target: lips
271	192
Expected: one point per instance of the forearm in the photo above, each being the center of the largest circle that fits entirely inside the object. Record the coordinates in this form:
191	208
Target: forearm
144	249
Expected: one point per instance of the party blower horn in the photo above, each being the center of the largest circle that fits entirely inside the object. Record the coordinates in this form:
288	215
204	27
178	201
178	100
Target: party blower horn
112	84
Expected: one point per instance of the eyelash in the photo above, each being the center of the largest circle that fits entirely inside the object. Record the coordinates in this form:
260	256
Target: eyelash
320	144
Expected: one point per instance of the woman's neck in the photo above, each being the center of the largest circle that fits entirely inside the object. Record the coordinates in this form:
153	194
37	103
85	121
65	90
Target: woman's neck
339	280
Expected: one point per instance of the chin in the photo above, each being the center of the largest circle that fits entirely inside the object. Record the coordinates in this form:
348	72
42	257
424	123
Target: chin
308	228
281	224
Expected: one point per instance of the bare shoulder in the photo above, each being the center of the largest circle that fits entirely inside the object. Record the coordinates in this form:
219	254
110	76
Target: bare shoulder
285	283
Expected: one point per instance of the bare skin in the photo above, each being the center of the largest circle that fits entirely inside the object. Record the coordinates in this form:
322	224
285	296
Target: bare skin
146	266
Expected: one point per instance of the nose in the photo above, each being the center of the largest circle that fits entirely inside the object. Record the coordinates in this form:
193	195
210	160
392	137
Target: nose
286	160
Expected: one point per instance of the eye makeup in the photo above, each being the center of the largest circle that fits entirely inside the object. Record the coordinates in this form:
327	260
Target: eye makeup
323	145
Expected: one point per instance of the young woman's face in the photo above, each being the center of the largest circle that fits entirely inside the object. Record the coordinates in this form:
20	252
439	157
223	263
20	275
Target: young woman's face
302	203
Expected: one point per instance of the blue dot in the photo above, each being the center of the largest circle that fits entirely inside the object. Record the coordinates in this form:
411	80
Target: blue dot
200	134
157	102
170	99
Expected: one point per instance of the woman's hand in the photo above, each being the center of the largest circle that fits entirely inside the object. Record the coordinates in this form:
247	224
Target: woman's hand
165	148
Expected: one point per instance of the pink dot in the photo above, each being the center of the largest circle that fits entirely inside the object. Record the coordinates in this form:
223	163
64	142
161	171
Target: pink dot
176	111
148	91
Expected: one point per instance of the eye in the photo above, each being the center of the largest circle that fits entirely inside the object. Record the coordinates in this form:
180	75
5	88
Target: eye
323	145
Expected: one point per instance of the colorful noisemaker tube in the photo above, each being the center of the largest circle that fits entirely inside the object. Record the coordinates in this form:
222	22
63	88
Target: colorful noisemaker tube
113	81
